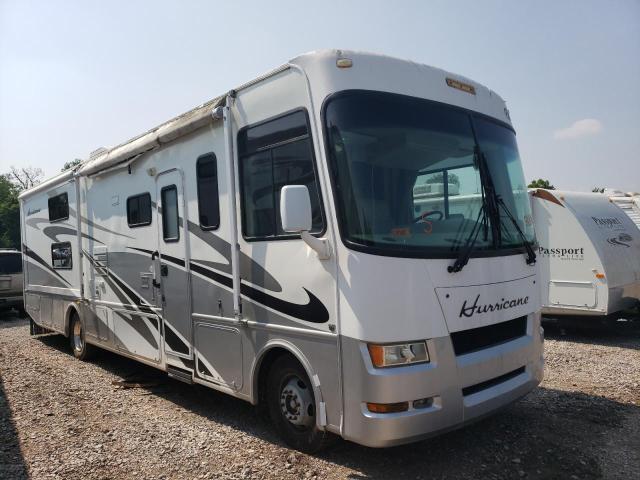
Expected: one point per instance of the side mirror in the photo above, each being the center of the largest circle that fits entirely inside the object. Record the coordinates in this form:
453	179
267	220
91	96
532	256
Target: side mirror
295	209
295	214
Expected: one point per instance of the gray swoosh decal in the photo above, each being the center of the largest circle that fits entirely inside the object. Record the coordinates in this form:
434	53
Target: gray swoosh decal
33	255
249	270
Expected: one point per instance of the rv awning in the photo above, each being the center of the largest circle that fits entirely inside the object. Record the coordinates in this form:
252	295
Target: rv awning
162	134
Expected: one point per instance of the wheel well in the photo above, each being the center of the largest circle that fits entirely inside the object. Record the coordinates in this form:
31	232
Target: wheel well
265	365
71	311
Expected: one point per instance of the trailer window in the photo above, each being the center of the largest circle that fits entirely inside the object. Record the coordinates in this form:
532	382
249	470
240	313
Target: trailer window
274	154
61	256
170	231
10	263
139	210
208	205
59	207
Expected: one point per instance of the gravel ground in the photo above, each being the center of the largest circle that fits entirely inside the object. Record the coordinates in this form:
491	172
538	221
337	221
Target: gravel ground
62	418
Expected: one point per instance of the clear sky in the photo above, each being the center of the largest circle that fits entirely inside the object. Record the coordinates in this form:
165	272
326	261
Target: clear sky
77	75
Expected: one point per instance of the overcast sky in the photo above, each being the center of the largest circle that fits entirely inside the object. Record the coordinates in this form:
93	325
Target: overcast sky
77	75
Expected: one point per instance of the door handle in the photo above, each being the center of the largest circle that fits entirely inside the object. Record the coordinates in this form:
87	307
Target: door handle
164	270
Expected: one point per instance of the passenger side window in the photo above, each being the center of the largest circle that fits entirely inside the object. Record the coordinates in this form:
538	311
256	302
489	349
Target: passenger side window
139	210
170	227
208	205
61	256
58	207
274	154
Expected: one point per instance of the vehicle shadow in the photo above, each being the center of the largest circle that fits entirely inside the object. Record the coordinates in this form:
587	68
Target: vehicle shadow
548	434
12	463
623	334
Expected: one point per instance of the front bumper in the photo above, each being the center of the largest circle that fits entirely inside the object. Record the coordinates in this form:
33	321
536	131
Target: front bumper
460	389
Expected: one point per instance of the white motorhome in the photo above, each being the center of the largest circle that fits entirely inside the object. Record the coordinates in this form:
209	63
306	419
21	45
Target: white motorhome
269	244
588	254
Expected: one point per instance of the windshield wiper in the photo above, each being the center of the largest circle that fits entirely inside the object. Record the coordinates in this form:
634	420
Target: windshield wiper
465	253
488	211
531	255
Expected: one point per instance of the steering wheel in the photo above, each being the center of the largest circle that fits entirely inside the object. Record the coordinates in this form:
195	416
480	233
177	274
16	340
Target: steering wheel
424	216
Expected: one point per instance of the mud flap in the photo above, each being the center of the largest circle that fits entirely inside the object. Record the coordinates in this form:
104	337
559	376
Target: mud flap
36	330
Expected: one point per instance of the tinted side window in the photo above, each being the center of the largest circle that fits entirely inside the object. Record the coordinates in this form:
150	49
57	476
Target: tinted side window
61	255
274	154
139	210
208	205
170	231
10	263
59	207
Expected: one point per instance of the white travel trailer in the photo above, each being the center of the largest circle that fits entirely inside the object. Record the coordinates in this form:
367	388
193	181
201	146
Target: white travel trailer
588	254
269	244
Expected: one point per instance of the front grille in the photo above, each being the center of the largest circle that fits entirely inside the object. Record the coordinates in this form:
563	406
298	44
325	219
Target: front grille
474	339
491	383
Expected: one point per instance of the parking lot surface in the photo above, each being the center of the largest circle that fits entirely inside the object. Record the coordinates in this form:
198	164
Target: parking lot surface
62	418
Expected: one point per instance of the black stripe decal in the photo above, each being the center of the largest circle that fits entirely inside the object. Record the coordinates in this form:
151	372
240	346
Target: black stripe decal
174	341
138	322
313	311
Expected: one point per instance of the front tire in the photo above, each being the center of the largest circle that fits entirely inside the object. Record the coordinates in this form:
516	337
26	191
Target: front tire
80	348
292	407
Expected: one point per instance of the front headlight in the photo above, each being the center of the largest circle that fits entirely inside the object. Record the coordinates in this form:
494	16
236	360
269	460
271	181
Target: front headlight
398	354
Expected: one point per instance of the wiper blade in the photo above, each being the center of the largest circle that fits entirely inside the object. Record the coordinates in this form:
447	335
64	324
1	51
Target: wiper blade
465	253
488	211
531	255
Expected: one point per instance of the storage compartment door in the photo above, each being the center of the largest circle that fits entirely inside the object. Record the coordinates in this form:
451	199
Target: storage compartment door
219	354
572	294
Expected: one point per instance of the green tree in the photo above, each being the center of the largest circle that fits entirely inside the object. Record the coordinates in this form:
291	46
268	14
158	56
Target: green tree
439	178
71	164
540	183
9	214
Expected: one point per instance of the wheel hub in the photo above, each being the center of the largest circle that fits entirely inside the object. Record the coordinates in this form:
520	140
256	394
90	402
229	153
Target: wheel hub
296	403
77	336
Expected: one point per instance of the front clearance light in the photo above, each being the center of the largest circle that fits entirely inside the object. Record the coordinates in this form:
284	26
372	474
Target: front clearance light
398	354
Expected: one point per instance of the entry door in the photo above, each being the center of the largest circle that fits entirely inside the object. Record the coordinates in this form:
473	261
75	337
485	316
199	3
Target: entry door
172	264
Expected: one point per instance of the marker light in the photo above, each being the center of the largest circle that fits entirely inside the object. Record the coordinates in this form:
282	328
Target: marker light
344	63
600	275
388	407
398	354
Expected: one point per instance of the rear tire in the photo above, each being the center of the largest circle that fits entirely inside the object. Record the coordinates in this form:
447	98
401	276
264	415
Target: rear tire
79	347
292	407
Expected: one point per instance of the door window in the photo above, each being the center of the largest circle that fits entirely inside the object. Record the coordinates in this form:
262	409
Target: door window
170	217
208	205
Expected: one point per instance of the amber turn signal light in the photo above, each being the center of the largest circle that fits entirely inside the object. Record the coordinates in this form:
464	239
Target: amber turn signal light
388	407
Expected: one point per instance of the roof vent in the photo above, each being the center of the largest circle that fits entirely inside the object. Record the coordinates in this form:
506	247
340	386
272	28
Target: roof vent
97	152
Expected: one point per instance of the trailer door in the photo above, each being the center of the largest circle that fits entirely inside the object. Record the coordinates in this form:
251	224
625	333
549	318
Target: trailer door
172	266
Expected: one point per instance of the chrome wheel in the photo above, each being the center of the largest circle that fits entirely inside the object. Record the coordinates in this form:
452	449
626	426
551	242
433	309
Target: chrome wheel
296	403
78	343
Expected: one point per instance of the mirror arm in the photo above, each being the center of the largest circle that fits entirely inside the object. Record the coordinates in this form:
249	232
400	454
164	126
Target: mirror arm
321	246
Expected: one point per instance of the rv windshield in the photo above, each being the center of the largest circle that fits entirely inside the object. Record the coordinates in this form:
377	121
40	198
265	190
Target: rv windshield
407	180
